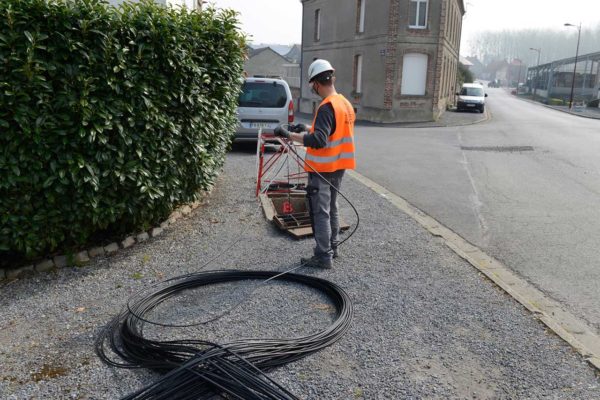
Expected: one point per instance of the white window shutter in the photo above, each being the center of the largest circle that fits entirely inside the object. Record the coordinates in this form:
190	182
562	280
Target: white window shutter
414	74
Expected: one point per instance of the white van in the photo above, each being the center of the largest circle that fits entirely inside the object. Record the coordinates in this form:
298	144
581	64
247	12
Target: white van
471	97
263	104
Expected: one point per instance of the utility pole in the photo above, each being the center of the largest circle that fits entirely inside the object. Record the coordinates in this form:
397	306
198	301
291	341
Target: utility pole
537	70
519	74
575	67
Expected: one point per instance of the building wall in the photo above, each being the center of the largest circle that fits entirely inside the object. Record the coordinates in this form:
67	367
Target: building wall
386	40
340	43
448	55
267	62
292	75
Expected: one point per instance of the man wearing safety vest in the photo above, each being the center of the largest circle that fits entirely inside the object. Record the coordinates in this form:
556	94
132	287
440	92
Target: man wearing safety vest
329	152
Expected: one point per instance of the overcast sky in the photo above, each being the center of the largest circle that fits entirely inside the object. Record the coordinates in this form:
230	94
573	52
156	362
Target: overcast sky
279	21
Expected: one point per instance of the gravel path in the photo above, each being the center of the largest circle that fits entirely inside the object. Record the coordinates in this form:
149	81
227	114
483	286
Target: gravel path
426	324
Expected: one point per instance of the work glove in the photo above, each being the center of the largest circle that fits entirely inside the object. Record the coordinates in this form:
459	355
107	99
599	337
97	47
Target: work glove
281	131
298	128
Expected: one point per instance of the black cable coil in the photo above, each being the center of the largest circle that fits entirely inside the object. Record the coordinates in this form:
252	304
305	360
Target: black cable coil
198	369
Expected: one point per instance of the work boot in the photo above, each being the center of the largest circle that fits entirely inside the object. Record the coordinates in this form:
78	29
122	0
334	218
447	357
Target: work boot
315	262
336	254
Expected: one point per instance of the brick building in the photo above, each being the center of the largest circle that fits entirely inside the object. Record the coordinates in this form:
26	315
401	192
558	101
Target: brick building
395	60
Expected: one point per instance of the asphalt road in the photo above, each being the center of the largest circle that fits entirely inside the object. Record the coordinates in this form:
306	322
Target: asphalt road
524	186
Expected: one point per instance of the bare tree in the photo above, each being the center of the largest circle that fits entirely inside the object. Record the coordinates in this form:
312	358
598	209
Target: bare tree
555	44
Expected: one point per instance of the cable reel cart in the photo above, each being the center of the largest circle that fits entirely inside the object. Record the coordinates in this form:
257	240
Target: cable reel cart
281	184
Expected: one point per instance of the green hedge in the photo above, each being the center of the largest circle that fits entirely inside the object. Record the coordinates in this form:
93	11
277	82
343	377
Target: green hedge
109	117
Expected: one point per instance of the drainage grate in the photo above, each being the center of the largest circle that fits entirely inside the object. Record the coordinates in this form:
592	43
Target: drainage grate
509	149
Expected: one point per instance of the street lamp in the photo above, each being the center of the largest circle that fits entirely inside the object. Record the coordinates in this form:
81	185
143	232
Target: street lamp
575	67
539	51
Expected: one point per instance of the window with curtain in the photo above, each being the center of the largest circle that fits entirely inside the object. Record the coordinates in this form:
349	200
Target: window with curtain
418	13
358	73
360	16
414	74
317	25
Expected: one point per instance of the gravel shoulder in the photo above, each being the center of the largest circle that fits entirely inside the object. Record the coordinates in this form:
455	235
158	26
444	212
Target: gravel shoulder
426	324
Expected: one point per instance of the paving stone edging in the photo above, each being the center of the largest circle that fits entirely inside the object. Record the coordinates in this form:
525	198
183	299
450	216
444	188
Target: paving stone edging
84	256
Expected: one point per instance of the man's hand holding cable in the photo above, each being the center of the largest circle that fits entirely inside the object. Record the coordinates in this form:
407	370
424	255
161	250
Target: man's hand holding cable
295	137
281	131
299	128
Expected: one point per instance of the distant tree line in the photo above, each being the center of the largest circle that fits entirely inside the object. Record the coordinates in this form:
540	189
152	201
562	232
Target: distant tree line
555	44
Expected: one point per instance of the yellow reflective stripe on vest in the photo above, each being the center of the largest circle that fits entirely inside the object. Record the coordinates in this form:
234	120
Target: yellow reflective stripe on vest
343	140
322	160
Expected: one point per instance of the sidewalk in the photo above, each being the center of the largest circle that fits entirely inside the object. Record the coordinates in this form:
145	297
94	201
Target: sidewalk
586	112
580	111
426	324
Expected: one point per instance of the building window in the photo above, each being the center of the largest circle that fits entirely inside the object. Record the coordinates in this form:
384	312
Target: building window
360	16
357	74
414	74
418	13
317	25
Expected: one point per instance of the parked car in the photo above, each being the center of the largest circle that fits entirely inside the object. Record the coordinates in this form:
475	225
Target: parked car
263	104
471	97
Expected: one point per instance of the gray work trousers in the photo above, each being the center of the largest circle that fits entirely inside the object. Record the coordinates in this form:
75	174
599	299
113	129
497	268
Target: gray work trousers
324	209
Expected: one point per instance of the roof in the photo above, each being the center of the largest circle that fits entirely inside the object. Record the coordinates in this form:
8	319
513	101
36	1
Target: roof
294	54
250	51
256	52
475	61
465	62
570	60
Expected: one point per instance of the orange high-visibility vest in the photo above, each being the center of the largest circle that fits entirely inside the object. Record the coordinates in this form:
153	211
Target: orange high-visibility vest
339	151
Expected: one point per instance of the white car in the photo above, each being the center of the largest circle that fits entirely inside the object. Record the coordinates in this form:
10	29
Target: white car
471	97
264	103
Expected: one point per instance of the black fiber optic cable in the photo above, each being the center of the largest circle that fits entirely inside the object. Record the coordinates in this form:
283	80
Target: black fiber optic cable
298	158
197	369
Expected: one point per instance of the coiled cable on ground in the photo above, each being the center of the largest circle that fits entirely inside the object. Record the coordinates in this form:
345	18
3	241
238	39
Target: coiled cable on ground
199	369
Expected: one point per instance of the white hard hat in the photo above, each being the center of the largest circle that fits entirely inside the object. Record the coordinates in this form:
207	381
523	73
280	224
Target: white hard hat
317	67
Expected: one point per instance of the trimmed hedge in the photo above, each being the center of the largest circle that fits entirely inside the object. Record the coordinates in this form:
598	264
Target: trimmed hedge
556	102
109	117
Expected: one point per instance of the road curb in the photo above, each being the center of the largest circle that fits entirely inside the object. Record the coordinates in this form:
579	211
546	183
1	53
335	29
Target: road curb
571	329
